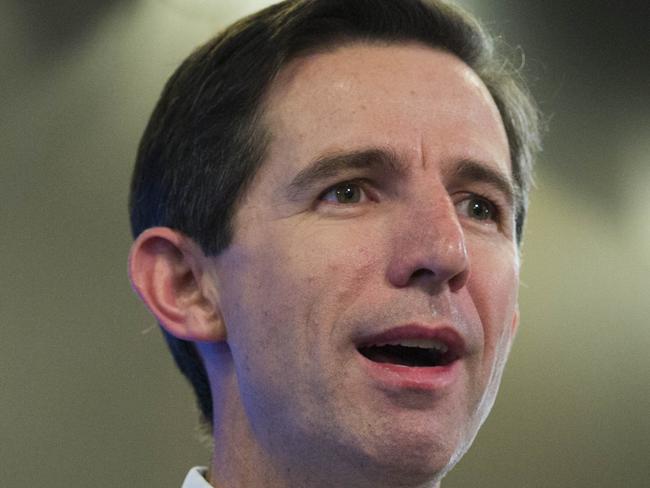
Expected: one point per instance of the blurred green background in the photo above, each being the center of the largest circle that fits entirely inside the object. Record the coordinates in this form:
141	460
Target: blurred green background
89	395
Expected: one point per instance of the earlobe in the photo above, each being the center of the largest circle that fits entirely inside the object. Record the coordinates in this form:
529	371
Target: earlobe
168	271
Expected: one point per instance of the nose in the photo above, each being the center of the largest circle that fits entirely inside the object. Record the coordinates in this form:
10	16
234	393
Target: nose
428	248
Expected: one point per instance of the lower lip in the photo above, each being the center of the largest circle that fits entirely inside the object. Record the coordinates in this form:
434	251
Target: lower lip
397	377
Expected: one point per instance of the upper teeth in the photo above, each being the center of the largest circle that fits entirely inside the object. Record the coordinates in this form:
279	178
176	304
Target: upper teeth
420	343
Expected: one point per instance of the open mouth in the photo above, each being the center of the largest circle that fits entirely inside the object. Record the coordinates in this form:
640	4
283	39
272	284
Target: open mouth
418	353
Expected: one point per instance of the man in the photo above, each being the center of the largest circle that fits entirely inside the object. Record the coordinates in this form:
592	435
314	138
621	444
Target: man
328	204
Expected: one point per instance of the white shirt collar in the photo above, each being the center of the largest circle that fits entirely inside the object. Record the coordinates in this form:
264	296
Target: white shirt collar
196	478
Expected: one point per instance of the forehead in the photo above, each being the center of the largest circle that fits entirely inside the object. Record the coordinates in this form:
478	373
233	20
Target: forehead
420	102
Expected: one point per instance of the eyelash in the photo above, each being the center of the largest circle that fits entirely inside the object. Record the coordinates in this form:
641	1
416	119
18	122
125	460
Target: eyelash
495	208
360	184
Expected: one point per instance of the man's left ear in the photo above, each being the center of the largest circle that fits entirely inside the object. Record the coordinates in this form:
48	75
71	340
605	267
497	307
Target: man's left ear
170	273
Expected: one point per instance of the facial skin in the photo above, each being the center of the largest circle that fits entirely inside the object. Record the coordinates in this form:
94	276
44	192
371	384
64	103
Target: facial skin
405	131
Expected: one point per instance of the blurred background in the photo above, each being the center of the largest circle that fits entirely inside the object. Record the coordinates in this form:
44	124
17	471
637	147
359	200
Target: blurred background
89	395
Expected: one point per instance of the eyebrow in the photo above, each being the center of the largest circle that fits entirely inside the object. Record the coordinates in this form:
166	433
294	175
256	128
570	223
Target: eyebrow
469	170
387	161
326	167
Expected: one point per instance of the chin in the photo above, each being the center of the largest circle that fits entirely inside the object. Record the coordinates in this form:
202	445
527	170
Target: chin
414	468
418	458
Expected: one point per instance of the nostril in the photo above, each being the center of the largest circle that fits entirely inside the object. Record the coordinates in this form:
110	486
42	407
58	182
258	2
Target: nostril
459	280
422	273
426	279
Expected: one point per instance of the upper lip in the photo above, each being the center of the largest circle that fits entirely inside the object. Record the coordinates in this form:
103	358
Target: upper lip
444	334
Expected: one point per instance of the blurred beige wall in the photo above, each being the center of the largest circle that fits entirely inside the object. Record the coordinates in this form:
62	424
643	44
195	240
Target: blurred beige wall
89	395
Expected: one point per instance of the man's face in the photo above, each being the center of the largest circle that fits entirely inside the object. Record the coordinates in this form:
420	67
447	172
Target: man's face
381	220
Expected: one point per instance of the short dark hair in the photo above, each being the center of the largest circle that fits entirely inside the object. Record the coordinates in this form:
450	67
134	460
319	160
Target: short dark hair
204	141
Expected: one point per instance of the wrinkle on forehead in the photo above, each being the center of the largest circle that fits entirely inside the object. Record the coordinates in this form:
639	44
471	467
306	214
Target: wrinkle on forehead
364	94
314	66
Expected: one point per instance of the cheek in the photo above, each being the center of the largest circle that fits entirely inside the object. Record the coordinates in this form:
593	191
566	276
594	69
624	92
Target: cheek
284	310
286	293
494	288
260	302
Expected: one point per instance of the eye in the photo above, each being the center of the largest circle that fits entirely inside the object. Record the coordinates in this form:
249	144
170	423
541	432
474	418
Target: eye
478	208
344	193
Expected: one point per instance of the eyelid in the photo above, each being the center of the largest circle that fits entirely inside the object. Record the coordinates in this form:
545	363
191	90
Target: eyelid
499	213
363	184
